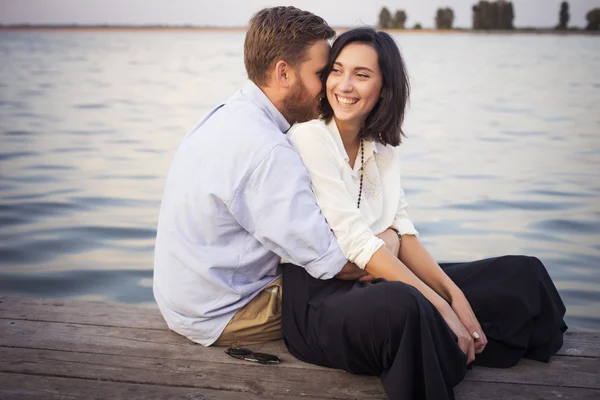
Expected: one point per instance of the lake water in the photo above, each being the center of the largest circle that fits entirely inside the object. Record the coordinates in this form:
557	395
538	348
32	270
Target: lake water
502	154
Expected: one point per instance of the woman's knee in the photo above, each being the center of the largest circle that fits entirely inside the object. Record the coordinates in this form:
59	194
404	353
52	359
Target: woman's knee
522	265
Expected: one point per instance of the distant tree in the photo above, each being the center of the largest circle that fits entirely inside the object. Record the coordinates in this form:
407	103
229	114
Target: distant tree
385	18
593	20
444	18
563	16
417	26
399	19
493	15
509	16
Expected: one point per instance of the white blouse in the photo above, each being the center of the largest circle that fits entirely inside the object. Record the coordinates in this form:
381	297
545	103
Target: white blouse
336	186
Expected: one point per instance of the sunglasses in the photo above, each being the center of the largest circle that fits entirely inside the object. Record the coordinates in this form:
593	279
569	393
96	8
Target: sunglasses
249	355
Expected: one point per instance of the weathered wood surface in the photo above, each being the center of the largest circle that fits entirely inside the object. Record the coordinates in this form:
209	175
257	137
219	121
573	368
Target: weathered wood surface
73	349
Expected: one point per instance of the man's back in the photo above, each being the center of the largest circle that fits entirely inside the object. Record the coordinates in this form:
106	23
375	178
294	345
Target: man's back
237	198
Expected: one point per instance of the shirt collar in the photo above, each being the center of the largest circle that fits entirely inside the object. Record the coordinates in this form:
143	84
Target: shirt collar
370	146
258	97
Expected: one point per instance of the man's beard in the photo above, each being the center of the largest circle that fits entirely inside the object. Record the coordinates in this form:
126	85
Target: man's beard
298	106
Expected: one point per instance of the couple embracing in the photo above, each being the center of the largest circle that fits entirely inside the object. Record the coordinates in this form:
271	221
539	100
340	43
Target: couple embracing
283	217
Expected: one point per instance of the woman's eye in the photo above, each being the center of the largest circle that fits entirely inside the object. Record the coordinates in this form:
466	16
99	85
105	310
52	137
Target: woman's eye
362	75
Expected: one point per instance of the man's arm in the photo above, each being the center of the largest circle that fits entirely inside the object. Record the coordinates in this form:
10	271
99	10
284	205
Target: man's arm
275	203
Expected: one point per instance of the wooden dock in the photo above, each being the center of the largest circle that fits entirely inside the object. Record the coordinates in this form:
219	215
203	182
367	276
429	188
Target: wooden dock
82	350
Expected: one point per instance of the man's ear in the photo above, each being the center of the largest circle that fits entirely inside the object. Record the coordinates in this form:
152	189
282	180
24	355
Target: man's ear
284	74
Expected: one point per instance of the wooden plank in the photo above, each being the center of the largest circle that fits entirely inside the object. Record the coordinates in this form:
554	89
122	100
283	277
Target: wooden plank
124	341
582	372
17	386
81	312
168	345
469	390
32	387
561	371
580	344
257	379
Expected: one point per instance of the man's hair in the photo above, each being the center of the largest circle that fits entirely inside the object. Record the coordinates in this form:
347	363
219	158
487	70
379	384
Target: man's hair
280	33
384	122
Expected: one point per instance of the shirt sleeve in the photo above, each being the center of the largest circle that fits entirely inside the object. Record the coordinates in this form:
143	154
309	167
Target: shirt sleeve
355	238
275	204
402	223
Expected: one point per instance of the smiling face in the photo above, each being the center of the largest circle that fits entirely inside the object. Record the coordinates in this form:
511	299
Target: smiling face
354	84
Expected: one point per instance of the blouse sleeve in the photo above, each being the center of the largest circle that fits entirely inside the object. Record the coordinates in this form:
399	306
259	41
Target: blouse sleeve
321	159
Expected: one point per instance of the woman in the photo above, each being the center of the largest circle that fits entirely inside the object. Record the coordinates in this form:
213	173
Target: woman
414	323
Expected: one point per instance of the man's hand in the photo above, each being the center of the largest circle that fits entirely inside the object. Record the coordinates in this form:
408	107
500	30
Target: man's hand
390	237
351	272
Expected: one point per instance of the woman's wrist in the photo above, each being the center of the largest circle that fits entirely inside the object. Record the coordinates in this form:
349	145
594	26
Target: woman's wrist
442	305
451	290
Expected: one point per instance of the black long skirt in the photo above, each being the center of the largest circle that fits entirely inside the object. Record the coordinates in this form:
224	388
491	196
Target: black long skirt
390	330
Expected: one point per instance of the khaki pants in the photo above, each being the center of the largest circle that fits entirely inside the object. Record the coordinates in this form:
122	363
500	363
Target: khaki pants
257	322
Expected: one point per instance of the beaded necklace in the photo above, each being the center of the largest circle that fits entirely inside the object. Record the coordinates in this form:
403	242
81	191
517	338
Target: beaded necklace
362	166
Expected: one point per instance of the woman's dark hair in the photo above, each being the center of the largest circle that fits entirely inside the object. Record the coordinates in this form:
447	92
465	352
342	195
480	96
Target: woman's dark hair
384	122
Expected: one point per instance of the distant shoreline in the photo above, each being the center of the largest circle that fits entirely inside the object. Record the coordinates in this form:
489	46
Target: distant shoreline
537	31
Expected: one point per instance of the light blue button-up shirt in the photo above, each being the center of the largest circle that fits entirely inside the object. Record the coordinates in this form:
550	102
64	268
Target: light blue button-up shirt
237	199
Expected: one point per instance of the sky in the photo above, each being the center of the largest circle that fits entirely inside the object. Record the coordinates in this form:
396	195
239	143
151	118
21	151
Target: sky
230	13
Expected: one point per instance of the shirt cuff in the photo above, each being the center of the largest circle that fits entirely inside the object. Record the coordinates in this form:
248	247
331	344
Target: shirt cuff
363	258
329	264
405	227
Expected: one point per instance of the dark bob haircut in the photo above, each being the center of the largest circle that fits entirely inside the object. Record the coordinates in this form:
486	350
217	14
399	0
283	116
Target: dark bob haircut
384	122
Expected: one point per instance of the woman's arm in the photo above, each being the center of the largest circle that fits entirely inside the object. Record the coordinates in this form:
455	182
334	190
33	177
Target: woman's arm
386	265
414	255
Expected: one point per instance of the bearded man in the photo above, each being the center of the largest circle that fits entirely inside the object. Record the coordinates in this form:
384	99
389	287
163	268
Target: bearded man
238	198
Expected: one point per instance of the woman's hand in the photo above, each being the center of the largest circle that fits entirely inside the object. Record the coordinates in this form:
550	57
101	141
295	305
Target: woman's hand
465	339
465	313
390	237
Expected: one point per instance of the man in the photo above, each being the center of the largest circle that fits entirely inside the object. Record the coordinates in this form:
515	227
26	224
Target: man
238	198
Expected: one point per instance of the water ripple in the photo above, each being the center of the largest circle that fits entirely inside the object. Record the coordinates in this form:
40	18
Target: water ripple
582	296
45	167
74	149
43	250
31	178
113	202
449	227
496	205
543	237
476	176
36	209
571	226
19	133
38	195
125	286
524	133
90	106
556	193
11	156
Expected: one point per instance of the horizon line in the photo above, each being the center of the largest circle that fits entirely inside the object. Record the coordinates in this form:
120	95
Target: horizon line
245	27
